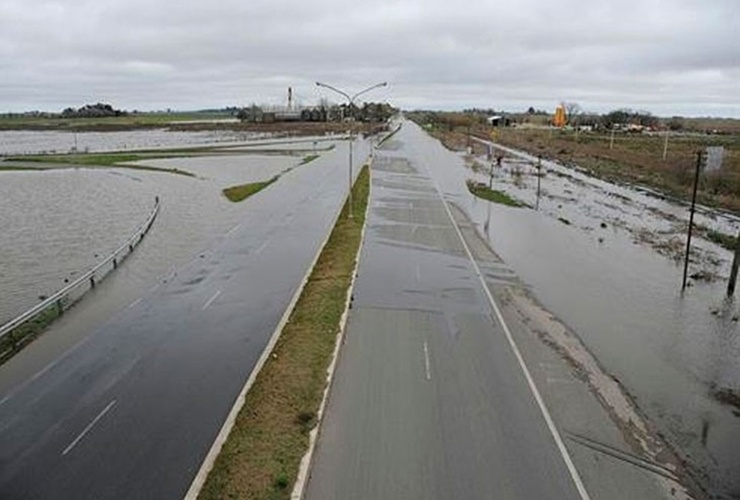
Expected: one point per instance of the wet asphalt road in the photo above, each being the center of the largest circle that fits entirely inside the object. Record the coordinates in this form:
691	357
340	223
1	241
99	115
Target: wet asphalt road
428	400
132	410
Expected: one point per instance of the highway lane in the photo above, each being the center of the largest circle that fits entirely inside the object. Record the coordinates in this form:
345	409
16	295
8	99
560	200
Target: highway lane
132	410
429	398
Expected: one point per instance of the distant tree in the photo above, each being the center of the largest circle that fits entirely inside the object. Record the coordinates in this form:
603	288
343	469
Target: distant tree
531	110
646	119
573	111
675	123
92	111
616	117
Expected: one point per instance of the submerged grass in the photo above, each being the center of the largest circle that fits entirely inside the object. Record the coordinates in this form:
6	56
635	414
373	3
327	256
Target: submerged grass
309	159
244	191
482	191
261	457
120	160
17	338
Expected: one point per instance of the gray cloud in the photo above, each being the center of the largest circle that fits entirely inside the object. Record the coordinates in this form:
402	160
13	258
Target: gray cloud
679	57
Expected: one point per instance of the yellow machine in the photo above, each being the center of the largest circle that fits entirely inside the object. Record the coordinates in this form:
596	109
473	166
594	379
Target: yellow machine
559	118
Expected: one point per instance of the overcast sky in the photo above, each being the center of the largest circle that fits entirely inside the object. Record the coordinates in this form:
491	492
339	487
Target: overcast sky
669	57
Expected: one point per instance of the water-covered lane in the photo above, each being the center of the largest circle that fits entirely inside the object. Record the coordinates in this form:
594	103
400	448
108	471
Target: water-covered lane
672	353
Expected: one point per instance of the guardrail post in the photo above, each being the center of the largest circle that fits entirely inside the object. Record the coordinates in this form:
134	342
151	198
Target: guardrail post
13	331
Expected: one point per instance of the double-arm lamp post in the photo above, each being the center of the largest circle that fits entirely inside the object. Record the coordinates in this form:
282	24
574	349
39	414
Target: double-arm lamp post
350	102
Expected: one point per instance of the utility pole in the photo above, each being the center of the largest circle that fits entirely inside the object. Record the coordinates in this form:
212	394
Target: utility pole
665	146
699	157
611	139
490	177
350	105
539	178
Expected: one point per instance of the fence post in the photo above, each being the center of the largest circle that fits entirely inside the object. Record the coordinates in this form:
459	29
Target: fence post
735	266
691	220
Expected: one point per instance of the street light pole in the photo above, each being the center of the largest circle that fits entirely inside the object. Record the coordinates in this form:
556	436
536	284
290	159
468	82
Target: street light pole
350	103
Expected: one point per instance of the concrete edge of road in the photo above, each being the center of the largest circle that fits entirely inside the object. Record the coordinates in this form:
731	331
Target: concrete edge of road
200	478
304	471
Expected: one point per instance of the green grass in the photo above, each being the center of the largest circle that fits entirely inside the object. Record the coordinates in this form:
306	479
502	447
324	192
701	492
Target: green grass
724	240
261	457
309	159
14	340
482	191
244	191
131	121
16	167
104	160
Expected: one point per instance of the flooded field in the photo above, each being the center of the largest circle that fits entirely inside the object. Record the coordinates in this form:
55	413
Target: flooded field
606	259
56	224
16	142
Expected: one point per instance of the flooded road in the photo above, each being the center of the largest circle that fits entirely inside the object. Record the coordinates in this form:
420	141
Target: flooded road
621	294
172	361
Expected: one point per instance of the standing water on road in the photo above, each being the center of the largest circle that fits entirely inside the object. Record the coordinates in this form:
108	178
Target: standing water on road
603	259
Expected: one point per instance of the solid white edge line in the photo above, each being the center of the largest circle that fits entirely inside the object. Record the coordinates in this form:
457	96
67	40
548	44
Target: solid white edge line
210	458
211	300
134	303
530	380
426	361
87	429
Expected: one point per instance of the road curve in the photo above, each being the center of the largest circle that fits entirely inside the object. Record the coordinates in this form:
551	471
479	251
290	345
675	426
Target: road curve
132	410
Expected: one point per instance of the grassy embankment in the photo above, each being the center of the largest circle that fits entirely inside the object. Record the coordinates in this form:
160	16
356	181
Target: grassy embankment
120	160
244	191
309	159
482	191
16	339
261	457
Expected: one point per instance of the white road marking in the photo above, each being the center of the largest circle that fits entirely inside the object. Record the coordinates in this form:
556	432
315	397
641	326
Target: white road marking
262	247
89	426
426	361
234	229
210	301
134	303
575	476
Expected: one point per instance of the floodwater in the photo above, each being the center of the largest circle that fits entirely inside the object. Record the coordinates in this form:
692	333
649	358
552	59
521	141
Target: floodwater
57	224
16	142
618	285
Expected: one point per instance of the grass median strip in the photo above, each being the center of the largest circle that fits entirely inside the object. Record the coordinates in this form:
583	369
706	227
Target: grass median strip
261	457
244	191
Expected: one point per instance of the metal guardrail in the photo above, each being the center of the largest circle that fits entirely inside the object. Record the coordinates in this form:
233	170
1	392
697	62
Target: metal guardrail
60	300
